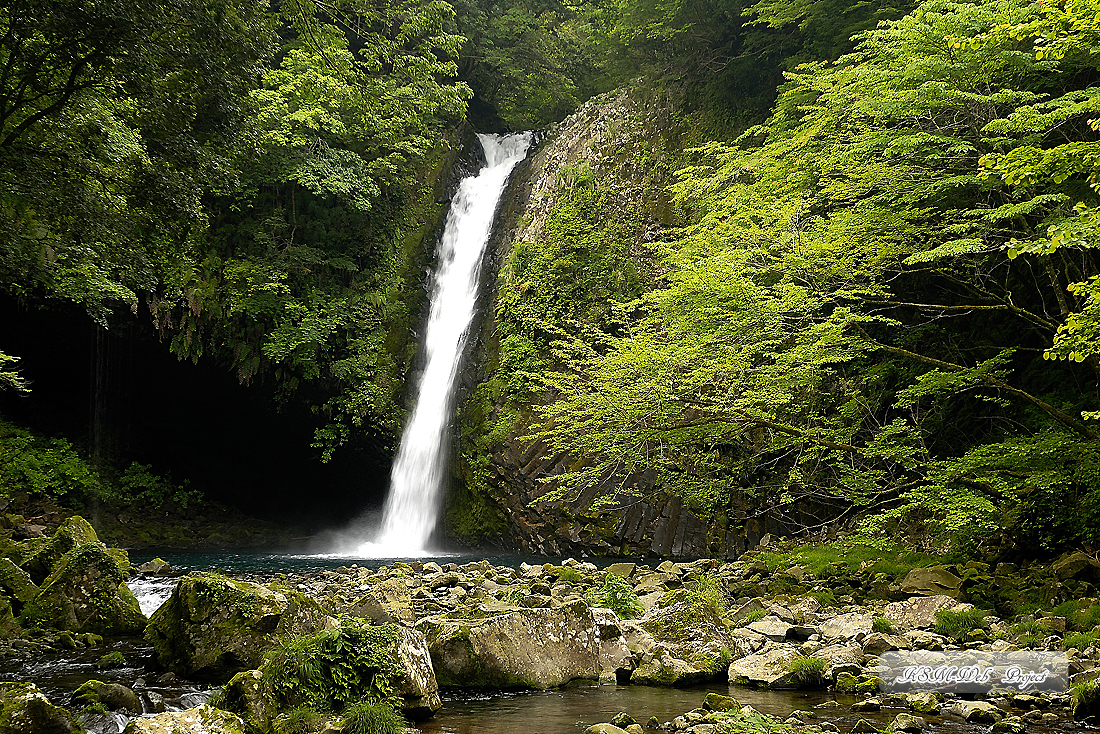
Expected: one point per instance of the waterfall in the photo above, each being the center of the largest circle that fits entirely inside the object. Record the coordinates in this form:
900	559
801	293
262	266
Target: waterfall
420	468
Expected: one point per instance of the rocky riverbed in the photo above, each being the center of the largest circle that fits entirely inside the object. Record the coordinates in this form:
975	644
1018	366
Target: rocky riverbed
281	652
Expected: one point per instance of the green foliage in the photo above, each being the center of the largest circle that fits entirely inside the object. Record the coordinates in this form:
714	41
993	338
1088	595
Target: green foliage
10	379
47	468
568	574
1080	640
617	595
1080	614
882	624
808	671
958	624
333	668
139	486
366	717
707	592
754	615
298	720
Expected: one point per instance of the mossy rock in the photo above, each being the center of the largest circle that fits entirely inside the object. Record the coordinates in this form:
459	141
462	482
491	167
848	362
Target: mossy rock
23	708
16	582
73	533
112	696
213	627
86	592
848	683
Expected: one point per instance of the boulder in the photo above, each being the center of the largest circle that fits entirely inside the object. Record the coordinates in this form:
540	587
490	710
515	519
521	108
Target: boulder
213	627
850	626
933	581
386	603
155	567
919	612
614	654
622	570
924	702
16	582
867	705
1085	704
771	627
74	532
417	685
769	669
532	648
24	710
976	712
863	726
198	720
906	723
114	696
86	592
244	694
921	640
666	670
718	702
877	643
1077	566
692	632
604	729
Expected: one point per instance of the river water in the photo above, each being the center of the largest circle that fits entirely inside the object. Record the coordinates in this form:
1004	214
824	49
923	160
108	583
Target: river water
567	711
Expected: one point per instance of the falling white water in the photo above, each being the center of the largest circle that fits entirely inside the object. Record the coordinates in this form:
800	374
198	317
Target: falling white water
416	481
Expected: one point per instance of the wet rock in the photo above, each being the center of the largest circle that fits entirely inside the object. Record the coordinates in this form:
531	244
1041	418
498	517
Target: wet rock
1011	725
244	694
388	602
933	581
920	611
534	648
213	627
864	727
623	570
198	720
86	592
904	722
925	702
417	685
614	655
718	702
769	669
113	696
976	712
867	705
666	670
155	567
604	729
73	533
623	719
24	710
16	582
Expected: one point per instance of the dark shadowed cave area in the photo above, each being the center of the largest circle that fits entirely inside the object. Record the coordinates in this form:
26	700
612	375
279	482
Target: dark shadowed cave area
190	421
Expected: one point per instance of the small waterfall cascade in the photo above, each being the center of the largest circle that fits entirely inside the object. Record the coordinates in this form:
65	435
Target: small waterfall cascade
419	470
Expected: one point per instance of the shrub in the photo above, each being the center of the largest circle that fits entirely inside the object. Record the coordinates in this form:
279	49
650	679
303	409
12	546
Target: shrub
882	624
1080	640
808	672
957	624
44	467
298	720
618	596
1028	634
365	717
754	615
707	591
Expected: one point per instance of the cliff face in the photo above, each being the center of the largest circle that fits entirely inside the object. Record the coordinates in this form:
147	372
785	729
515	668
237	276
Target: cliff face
576	242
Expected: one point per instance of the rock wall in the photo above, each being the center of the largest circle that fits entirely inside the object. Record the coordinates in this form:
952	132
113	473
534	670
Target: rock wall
631	142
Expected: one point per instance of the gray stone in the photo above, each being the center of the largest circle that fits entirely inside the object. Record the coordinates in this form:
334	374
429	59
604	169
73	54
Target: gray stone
906	723
695	635
533	648
867	705
850	626
1077	565
770	669
877	643
604	729
924	702
417	684
386	603
155	567
932	581
24	710
623	570
976	712
921	640
864	727
666	670
771	627
920	611
198	720
213	627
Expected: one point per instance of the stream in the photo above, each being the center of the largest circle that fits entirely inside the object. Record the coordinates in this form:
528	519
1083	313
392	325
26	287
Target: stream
565	711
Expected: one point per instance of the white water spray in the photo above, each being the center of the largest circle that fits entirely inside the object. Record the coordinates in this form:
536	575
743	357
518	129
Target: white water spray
416	481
